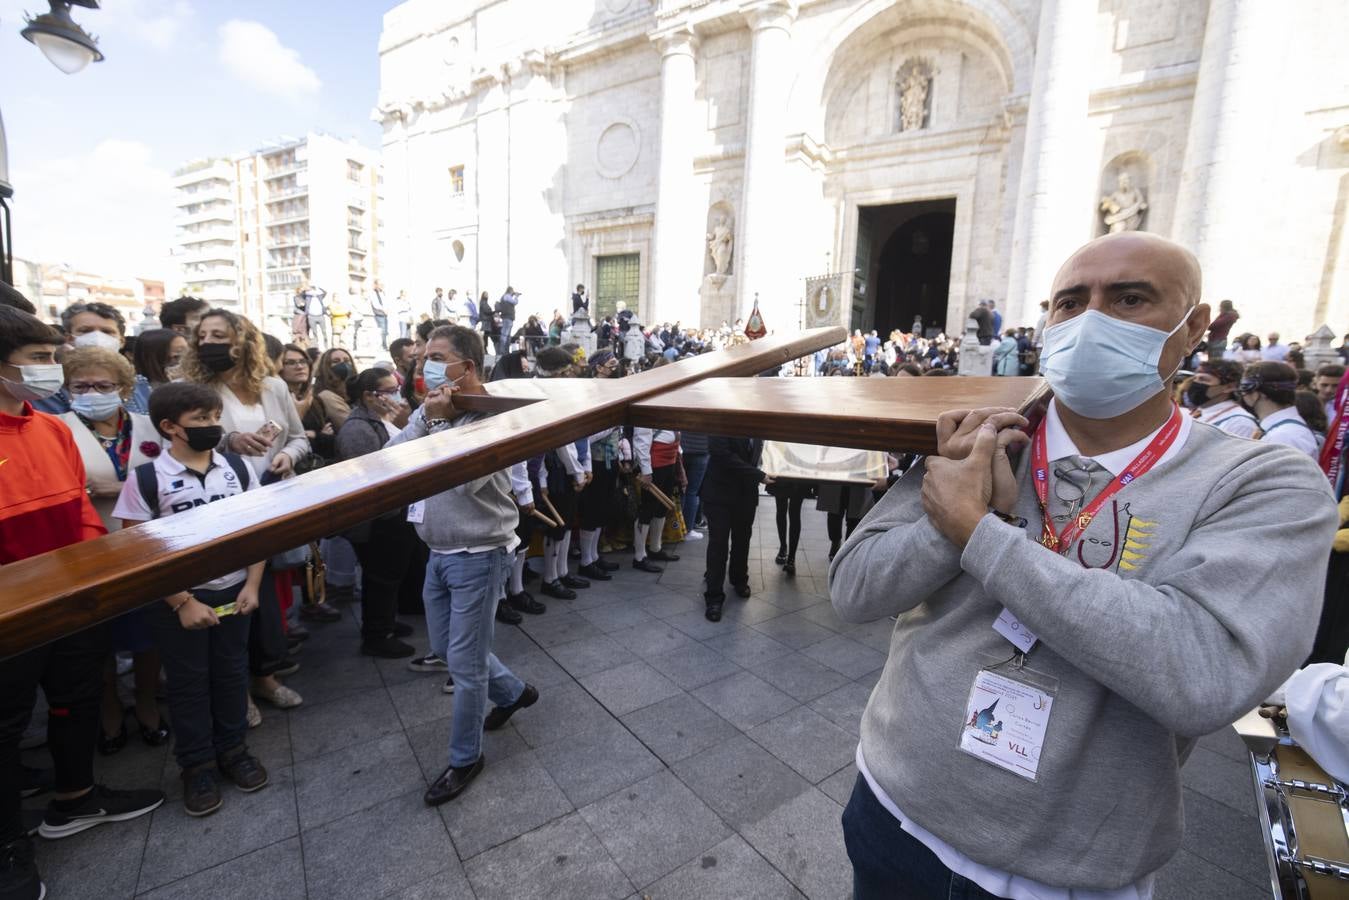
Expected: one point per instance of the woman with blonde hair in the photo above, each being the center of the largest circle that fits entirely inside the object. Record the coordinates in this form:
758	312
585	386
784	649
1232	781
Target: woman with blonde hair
112	441
227	354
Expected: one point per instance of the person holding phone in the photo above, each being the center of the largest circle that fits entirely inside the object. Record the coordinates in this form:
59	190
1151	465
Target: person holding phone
201	633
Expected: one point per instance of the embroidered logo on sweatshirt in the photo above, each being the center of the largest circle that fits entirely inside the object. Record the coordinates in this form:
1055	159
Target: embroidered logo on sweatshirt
1119	542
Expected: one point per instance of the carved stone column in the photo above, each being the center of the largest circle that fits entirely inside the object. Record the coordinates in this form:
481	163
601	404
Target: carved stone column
1054	201
1233	120
761	250
676	264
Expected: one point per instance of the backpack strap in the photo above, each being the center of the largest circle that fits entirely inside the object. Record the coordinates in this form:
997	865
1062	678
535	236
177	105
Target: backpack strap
1290	422
240	468
147	481
1247	416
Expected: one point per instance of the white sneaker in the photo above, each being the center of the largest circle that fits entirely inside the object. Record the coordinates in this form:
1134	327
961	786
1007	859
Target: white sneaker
693	536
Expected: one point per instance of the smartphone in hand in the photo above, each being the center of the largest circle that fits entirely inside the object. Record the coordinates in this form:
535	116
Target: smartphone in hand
269	430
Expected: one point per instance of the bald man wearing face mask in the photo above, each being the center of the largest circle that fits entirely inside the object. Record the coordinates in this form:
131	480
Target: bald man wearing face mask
1075	617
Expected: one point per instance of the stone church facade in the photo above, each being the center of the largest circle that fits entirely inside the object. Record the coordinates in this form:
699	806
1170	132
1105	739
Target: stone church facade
866	162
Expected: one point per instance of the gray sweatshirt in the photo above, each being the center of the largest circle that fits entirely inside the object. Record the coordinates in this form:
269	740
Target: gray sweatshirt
1216	603
478	513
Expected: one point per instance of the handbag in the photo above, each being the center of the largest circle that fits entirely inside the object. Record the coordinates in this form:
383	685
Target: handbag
315	576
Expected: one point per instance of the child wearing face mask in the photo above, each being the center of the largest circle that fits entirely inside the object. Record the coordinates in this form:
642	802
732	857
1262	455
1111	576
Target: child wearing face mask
202	632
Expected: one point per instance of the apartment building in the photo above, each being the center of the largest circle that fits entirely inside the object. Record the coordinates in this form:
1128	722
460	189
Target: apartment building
253	230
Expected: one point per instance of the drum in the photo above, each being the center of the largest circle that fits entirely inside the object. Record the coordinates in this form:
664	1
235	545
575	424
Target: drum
1304	814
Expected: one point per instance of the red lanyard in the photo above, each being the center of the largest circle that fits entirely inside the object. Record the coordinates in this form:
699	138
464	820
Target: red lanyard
1153	452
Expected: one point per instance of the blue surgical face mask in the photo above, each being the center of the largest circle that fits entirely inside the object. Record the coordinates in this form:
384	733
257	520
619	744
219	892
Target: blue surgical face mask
1101	367
95	406
433	374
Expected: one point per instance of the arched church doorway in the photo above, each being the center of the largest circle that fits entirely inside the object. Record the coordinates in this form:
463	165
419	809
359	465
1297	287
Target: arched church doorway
904	265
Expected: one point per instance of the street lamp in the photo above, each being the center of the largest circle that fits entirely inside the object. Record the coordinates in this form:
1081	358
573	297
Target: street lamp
70	48
61	39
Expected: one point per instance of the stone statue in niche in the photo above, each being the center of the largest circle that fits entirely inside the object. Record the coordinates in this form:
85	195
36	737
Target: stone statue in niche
915	90
1123	209
720	243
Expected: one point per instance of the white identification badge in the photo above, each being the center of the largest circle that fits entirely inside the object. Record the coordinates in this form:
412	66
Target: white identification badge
417	512
1021	637
1006	718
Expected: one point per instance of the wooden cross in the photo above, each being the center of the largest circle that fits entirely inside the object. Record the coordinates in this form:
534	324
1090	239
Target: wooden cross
58	593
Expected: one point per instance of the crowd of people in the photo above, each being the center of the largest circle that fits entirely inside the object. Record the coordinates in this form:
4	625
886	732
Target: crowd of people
208	406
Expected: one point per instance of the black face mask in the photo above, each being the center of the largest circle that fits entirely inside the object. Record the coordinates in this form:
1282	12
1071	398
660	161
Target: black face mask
1197	394
215	357
204	437
342	370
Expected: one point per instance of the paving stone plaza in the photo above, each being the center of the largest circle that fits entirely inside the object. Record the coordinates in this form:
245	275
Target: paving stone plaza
668	757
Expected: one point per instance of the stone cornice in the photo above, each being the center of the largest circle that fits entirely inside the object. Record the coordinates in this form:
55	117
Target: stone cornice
1179	80
481	80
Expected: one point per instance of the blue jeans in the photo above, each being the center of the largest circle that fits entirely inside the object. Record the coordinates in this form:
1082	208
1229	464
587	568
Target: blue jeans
695	467
461	594
888	862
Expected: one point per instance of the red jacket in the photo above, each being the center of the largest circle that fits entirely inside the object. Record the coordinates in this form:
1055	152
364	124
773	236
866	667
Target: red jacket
43	504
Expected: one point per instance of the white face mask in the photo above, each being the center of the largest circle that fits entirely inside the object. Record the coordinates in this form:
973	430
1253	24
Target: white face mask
1101	367
97	407
99	339
36	382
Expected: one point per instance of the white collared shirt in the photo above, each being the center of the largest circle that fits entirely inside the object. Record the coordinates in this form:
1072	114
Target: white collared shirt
1058	444
1286	426
1231	417
179	490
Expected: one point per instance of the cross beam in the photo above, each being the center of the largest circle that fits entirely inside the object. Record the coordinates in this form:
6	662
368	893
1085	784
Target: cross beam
61	592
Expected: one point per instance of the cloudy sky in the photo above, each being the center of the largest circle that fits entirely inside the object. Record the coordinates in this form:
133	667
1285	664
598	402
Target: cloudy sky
90	154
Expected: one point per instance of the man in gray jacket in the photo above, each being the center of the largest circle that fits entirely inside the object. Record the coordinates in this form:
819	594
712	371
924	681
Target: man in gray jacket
470	530
1070	623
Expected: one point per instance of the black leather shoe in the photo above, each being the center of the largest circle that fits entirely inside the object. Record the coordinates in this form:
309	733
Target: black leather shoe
713	612
557	591
781	557
402	629
572	581
452	783
108	744
662	556
501	714
386	647
506	615
643	565
742	591
833	551
606	565
157	736
524	602
790	568
594	573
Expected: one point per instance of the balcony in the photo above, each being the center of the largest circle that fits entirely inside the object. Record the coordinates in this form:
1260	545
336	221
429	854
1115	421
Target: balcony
288	265
282	171
358	250
208	253
210	273
218	293
212	212
287	218
202	171
215	190
297	191
294	241
202	235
